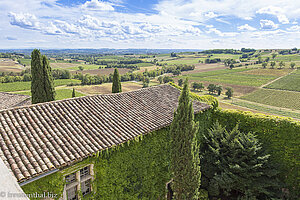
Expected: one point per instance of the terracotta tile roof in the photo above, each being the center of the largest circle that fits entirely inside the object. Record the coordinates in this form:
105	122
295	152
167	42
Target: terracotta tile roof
8	100
38	138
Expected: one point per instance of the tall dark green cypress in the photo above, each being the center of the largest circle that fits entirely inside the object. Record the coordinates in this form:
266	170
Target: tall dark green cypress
42	87
38	92
48	80
185	160
73	93
116	85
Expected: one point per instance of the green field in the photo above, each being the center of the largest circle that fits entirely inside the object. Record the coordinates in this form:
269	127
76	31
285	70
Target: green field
19	86
183	61
285	99
293	57
144	64
268	110
217	72
26	62
290	82
232	77
60	94
86	67
224	56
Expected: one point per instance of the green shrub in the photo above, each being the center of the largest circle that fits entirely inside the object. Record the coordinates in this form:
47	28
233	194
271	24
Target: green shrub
233	165
280	138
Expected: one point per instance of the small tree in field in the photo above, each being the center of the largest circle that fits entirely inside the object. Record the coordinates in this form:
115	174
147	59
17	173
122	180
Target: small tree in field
229	92
211	88
73	93
281	64
264	65
274	55
180	82
116	86
273	63
160	79
292	65
185	160
80	68
219	89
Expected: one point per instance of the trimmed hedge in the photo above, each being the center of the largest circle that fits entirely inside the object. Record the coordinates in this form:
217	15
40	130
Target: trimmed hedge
280	137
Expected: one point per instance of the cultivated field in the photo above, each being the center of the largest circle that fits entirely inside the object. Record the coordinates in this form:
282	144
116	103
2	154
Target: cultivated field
101	72
246	81
285	99
20	86
106	88
8	65
60	93
290	82
233	77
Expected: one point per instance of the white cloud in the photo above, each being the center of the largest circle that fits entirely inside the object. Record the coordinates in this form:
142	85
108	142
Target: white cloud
212	29
267	24
177	24
98	5
246	27
295	28
24	20
210	15
277	11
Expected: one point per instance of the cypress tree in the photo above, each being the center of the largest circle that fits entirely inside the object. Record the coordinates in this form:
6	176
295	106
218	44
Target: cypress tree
116	86
48	80
73	93
37	87
42	87
185	160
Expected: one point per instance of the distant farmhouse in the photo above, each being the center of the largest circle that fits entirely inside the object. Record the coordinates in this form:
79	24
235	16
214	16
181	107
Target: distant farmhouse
58	148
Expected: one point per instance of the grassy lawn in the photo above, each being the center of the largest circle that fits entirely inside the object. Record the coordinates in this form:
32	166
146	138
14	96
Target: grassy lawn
60	93
285	99
19	86
290	82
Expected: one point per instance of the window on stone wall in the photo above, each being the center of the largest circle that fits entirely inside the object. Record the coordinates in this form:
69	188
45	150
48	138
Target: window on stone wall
72	193
86	187
79	181
71	178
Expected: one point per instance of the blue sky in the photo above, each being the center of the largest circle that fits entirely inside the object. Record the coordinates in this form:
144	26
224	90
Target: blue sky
198	24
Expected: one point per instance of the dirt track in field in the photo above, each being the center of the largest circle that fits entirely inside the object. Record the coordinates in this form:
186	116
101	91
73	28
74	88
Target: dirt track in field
106	88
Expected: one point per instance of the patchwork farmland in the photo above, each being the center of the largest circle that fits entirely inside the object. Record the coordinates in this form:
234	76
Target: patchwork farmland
255	87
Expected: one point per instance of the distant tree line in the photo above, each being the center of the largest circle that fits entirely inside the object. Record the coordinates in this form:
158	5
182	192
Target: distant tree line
25	75
222	51
213	60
